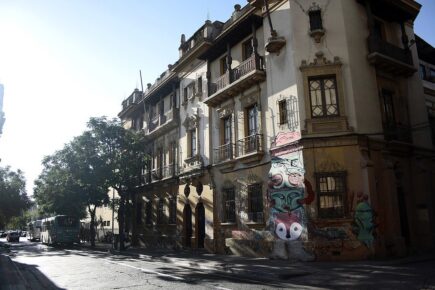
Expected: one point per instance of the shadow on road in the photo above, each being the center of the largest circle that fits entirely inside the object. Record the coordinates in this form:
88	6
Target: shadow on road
34	278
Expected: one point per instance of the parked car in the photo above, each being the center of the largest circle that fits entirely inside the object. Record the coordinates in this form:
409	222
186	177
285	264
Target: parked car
23	233
13	236
2	234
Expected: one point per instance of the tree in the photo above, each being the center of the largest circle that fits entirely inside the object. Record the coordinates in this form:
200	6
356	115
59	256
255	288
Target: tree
56	192
124	152
90	170
13	197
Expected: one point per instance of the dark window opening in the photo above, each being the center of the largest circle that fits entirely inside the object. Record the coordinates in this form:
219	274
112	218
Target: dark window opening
255	203
283	114
148	213
323	96
315	20
229	205
331	188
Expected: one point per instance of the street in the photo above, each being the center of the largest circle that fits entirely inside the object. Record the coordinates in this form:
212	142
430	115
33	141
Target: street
76	267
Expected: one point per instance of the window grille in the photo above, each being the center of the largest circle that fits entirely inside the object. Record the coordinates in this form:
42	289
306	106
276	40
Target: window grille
331	189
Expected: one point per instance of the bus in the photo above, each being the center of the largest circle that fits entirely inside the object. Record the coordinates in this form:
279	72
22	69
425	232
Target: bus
60	229
34	230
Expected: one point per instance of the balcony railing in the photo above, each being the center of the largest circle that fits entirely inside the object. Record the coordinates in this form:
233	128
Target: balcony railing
224	152
250	144
397	132
157	174
390	58
160	120
170	170
253	63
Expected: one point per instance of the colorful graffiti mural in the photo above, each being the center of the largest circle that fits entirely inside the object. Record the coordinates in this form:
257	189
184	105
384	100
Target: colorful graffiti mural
364	220
288	220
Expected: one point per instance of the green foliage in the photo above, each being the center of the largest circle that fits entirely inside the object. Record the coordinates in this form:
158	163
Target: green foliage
13	197
79	176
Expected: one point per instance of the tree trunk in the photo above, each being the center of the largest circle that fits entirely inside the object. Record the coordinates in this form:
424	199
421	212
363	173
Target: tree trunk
134	218
92	229
121	221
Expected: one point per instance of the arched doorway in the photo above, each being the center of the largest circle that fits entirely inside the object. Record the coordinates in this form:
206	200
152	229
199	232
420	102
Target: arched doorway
200	224
187	225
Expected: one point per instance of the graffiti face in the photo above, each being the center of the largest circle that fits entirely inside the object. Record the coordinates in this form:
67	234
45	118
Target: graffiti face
287	227
286	200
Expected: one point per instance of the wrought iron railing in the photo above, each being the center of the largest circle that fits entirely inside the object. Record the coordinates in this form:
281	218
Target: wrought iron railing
224	152
254	62
250	144
170	170
157	174
397	132
381	46
160	120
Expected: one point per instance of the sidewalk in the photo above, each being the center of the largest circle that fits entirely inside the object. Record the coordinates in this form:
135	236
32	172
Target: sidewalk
10	276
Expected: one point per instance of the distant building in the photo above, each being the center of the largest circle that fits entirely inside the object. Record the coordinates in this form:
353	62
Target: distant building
2	114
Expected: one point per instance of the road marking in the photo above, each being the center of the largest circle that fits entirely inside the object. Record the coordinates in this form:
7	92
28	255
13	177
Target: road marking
222	288
147	270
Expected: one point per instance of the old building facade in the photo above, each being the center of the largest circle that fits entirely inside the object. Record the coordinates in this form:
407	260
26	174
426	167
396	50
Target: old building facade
293	130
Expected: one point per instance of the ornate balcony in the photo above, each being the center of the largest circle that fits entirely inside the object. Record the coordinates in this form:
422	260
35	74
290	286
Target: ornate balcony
250	145
236	80
224	153
162	123
390	58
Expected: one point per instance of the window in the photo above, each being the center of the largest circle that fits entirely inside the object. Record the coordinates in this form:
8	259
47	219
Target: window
422	71
331	188
315	18
172	152
185	94
108	223
247	49
148	213
172	210
199	85
323	96
227	130
379	29
388	108
283	114
223	64
229	206
160	211
255	199
432	74
252	120
192	142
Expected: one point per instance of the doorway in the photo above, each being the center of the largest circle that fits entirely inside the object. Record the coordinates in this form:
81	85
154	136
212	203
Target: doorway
200	224
187	224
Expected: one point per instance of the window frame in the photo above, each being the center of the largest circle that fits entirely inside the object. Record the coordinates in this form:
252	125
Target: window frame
229	216
255	202
160	219
326	212
283	112
172	220
149	213
246	48
324	106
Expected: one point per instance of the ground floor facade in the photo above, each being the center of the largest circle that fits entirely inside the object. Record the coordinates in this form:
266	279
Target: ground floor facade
340	198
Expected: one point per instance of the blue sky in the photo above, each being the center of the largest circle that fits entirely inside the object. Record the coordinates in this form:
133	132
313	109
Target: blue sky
63	61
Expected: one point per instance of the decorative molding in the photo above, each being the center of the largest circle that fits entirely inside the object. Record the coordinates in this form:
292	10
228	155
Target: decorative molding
225	111
247	100
191	122
320	60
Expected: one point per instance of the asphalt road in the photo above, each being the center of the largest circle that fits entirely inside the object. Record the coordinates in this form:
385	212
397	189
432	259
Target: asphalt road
47	267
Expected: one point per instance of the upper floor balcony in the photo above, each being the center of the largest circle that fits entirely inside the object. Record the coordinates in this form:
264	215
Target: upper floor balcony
160	173
397	132
235	81
162	123
390	58
393	10
250	147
